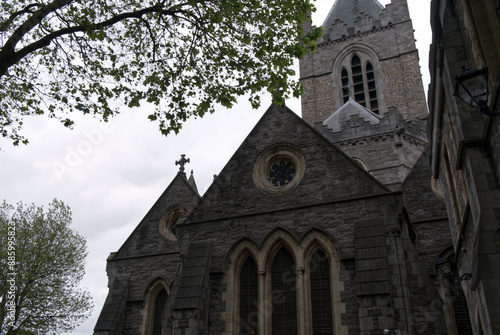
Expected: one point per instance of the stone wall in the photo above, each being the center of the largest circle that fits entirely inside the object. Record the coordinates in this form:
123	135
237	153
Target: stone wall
389	148
363	226
464	156
144	258
367	267
399	82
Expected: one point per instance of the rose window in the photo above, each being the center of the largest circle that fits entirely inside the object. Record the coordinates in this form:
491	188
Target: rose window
282	173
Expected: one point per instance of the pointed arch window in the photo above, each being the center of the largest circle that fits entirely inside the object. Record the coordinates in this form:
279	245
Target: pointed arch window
285	288
321	301
358	81
159	306
248	297
345	84
372	88
284	298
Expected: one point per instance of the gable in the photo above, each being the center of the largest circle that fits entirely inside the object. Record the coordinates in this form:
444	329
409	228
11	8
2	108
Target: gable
146	238
323	173
337	120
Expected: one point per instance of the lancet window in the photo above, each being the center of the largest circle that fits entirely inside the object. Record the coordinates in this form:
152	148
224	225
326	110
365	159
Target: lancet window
358	81
284	295
160	302
284	288
248	302
321	302
156	302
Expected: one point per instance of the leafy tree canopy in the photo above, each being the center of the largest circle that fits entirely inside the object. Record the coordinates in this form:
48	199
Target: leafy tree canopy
41	264
183	56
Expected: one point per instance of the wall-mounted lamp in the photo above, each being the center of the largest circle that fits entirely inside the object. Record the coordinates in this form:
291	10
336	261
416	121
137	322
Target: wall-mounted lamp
445	267
387	332
471	86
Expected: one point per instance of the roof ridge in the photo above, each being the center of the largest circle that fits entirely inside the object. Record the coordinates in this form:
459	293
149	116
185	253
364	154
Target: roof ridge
347	11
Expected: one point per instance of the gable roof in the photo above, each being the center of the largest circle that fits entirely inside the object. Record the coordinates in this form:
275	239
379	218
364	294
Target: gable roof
348	11
194	276
330	175
146	239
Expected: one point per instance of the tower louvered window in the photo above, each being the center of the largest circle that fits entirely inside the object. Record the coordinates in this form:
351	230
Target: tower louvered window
248	297
284	300
372	88
345	85
321	302
358	82
160	302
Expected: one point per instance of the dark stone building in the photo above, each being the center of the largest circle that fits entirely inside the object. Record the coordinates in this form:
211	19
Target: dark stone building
322	225
465	153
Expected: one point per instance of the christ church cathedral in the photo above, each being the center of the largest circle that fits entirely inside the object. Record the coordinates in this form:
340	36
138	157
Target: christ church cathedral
325	224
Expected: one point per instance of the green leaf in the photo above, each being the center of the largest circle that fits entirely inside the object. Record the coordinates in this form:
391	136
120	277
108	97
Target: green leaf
183	57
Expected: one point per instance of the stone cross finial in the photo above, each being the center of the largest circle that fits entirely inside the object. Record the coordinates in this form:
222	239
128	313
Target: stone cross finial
182	162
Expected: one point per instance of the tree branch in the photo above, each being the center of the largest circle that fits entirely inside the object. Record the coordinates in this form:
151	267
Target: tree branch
32	22
9	57
28	9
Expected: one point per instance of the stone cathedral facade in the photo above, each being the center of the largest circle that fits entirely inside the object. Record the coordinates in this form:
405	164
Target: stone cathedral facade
326	224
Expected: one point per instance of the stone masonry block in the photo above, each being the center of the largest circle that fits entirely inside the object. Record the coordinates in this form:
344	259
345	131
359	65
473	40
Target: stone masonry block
369	253
488	265
366	323
372	275
368	232
371	264
372	288
370	242
194	323
385	322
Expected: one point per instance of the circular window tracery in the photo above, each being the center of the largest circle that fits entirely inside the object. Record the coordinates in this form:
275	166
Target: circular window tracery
278	169
282	172
169	221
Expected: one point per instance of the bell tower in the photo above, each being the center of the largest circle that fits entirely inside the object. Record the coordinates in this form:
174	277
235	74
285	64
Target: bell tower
368	55
363	88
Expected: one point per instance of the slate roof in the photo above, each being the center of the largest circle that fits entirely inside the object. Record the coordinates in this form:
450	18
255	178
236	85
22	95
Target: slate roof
114	306
348	10
192	282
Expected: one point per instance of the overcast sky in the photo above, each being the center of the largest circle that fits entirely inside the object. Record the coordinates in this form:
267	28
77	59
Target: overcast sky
111	174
